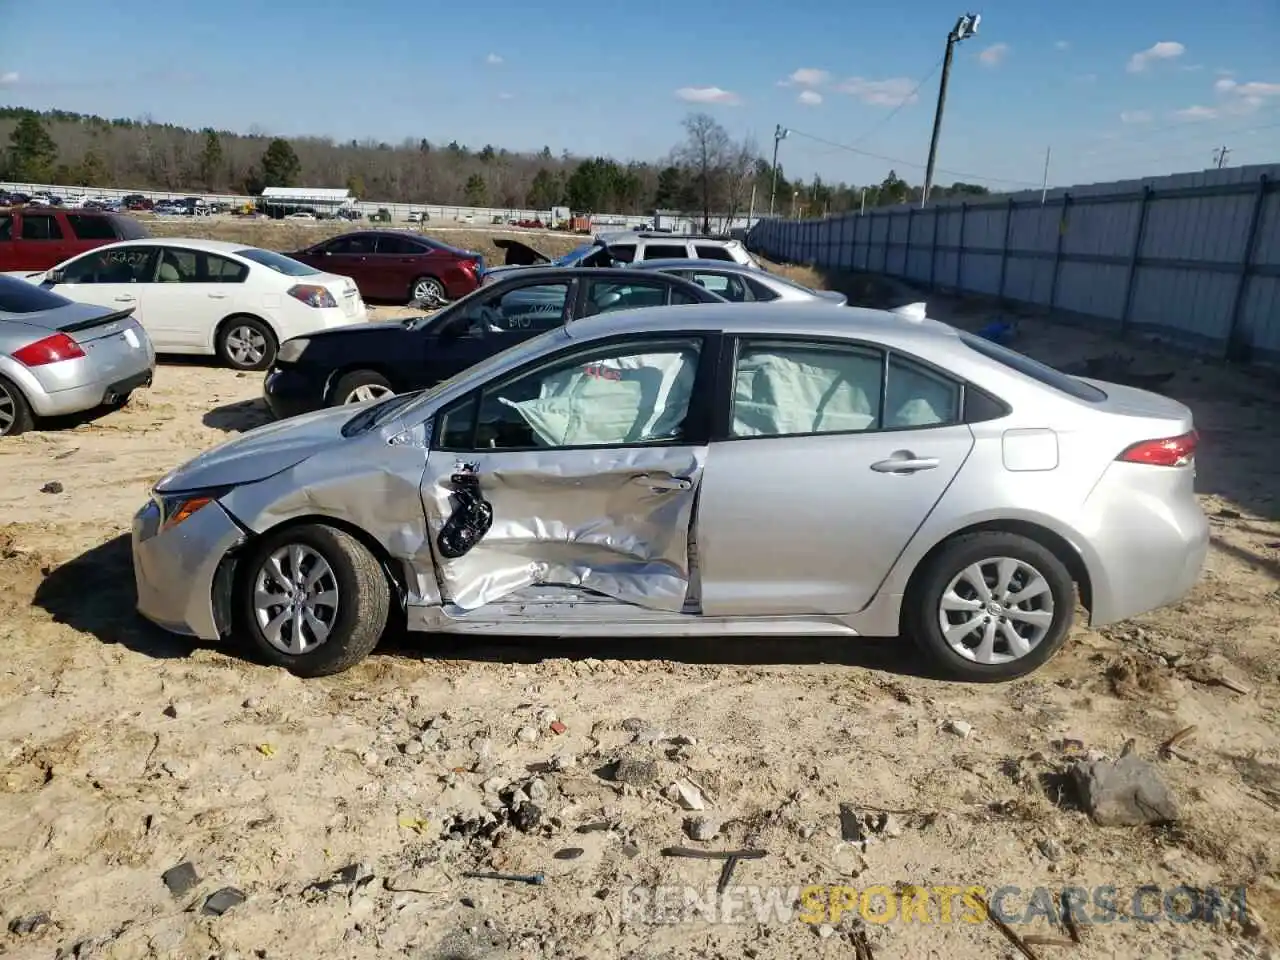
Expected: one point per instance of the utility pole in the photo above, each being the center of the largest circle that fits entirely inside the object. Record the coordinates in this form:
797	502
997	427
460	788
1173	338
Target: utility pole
1220	156
1044	184
779	134
966	26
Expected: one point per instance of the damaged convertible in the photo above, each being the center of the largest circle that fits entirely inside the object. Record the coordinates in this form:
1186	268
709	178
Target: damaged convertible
716	469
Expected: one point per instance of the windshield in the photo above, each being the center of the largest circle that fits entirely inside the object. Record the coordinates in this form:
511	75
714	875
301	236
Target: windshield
277	262
575	255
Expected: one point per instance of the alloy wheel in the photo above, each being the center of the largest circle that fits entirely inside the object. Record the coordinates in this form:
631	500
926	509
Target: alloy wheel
996	610
246	346
8	411
295	599
428	290
368	391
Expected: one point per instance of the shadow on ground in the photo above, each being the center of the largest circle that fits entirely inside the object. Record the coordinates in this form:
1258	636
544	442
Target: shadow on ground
238	417
95	594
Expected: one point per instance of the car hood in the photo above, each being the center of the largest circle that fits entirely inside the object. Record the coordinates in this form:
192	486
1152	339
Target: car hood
260	453
356	329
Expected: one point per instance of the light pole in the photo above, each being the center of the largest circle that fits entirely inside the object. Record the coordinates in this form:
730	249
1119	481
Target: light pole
779	134
966	26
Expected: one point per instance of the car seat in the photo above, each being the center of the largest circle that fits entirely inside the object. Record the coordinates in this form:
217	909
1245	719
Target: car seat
168	273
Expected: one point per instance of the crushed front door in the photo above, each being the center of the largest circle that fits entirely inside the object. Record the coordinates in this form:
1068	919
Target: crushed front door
582	472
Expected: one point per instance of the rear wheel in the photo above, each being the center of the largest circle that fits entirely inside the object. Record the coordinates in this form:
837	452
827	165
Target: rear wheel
428	289
15	412
312	599
360	386
991	607
246	343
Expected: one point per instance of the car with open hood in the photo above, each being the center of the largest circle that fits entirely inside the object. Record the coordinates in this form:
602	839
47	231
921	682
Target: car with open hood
701	470
372	360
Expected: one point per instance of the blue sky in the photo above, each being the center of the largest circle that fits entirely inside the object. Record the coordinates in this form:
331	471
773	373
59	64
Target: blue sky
1118	89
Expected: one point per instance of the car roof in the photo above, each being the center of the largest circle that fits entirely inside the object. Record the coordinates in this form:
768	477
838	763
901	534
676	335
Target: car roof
774	318
190	243
560	273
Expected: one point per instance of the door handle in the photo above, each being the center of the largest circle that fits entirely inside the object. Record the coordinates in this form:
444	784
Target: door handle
665	483
125	299
217	296
904	464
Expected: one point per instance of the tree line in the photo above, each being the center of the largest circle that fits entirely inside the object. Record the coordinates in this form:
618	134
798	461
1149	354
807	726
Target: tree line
707	174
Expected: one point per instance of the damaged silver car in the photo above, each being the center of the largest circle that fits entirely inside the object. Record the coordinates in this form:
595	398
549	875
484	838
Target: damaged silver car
740	469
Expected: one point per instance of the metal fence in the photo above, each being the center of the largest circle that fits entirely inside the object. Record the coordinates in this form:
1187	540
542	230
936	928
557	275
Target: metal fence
1192	258
399	212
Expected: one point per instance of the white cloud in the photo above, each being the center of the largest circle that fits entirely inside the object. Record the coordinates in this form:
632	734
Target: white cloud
881	93
806	77
7	79
708	95
1241	98
810	98
1063	45
1164	50
1135	116
493	59
506	96
994	55
1196	113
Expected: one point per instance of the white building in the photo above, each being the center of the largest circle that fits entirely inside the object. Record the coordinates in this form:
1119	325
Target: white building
281	201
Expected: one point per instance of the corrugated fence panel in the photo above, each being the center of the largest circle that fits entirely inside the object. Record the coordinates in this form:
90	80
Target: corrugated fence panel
1166	254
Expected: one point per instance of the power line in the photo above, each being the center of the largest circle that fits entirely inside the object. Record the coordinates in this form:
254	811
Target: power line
899	162
910	97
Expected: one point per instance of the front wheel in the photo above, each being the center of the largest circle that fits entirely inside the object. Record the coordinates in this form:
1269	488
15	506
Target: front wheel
311	599
246	343
360	386
991	607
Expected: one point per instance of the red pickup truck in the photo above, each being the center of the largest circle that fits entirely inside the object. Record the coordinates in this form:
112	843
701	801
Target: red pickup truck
37	238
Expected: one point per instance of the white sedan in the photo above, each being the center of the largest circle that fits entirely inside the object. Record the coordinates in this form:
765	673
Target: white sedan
210	297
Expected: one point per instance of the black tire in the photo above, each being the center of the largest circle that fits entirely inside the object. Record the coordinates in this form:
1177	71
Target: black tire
349	383
923	603
15	412
231	328
423	287
360	615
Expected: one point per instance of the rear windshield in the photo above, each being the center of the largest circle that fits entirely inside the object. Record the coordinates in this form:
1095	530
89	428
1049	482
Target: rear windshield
18	296
1034	369
277	262
130	229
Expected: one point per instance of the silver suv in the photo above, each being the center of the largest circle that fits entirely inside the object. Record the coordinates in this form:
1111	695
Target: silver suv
643	245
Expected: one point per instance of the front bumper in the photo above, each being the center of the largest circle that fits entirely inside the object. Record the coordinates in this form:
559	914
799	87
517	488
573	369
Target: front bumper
175	570
288	392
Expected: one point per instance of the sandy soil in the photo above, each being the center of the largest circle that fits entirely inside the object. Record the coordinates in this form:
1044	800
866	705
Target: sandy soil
127	751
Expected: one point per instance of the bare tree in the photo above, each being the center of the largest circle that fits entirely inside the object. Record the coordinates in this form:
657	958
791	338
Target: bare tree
740	175
705	154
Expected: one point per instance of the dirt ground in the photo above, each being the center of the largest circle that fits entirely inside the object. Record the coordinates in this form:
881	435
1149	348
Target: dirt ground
127	751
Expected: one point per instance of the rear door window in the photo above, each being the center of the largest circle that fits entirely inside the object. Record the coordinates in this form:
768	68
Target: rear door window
40	226
665	251
87	227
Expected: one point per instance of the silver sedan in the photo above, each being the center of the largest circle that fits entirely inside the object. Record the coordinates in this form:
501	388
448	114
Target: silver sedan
690	470
59	357
742	284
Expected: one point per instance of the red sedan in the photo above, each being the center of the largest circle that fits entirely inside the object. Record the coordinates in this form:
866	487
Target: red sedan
396	265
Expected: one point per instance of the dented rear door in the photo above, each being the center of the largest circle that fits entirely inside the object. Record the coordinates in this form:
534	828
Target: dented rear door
582	471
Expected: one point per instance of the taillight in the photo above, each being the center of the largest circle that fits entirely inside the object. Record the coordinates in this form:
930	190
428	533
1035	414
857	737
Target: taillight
313	296
1169	452
49	350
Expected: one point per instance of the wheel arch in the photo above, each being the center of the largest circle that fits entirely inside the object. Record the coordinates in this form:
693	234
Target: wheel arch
227	574
1052	541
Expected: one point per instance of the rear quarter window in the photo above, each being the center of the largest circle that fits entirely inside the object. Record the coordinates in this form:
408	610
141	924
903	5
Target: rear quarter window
1062	382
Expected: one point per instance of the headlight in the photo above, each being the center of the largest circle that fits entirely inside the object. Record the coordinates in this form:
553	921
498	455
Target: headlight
291	350
177	507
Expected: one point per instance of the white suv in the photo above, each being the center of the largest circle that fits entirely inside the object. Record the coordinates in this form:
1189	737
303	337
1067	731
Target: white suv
633	246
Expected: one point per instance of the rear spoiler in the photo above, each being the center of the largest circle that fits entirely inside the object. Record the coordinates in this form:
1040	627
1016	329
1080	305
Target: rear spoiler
101	321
